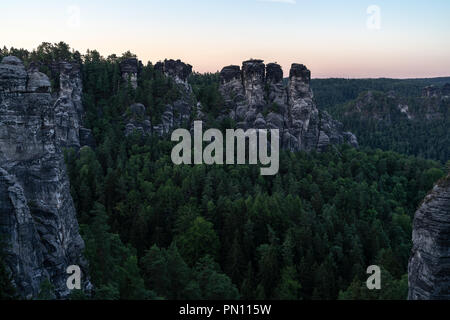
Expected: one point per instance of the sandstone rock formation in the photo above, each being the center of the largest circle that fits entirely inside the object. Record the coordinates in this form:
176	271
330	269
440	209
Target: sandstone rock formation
429	264
137	121
37	214
177	114
68	107
256	97
129	69
176	69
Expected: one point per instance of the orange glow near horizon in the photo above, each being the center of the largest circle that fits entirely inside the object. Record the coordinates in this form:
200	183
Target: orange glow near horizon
331	39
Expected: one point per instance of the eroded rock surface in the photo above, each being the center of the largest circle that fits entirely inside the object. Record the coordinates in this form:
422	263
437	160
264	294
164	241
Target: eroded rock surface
37	214
137	120
257	97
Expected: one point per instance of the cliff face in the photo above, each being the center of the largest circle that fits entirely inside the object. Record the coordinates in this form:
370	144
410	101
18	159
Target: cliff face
37	214
429	264
68	107
129	69
256	97
178	113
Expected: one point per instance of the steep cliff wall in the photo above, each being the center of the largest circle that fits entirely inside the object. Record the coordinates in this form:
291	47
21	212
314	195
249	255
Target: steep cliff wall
37	214
429	265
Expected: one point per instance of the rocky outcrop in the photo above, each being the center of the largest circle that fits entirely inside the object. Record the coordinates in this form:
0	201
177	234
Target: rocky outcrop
37	81
176	114
13	76
68	106
429	264
276	87
37	214
176	69
129	69
232	90
253	78
137	120
257	97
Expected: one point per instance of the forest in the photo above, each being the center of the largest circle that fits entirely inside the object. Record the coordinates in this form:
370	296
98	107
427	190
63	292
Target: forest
424	137
155	230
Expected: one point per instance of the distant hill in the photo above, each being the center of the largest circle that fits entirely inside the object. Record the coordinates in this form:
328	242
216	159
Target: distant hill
334	91
400	115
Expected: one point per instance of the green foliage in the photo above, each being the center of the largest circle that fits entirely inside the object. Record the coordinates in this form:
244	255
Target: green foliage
391	289
206	90
46	291
380	123
305	233
330	93
113	266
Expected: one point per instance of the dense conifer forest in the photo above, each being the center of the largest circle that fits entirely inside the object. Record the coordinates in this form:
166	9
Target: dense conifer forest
154	230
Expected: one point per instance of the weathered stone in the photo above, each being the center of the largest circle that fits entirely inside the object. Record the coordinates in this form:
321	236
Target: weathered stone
230	73
137	120
13	77
259	123
37	81
137	110
176	69
277	89
232	90
274	73
129	69
68	106
178	113
429	264
253	77
290	109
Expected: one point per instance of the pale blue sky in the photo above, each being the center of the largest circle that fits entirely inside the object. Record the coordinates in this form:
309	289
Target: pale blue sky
330	37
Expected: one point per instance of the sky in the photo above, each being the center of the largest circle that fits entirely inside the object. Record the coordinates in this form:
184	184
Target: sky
350	39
